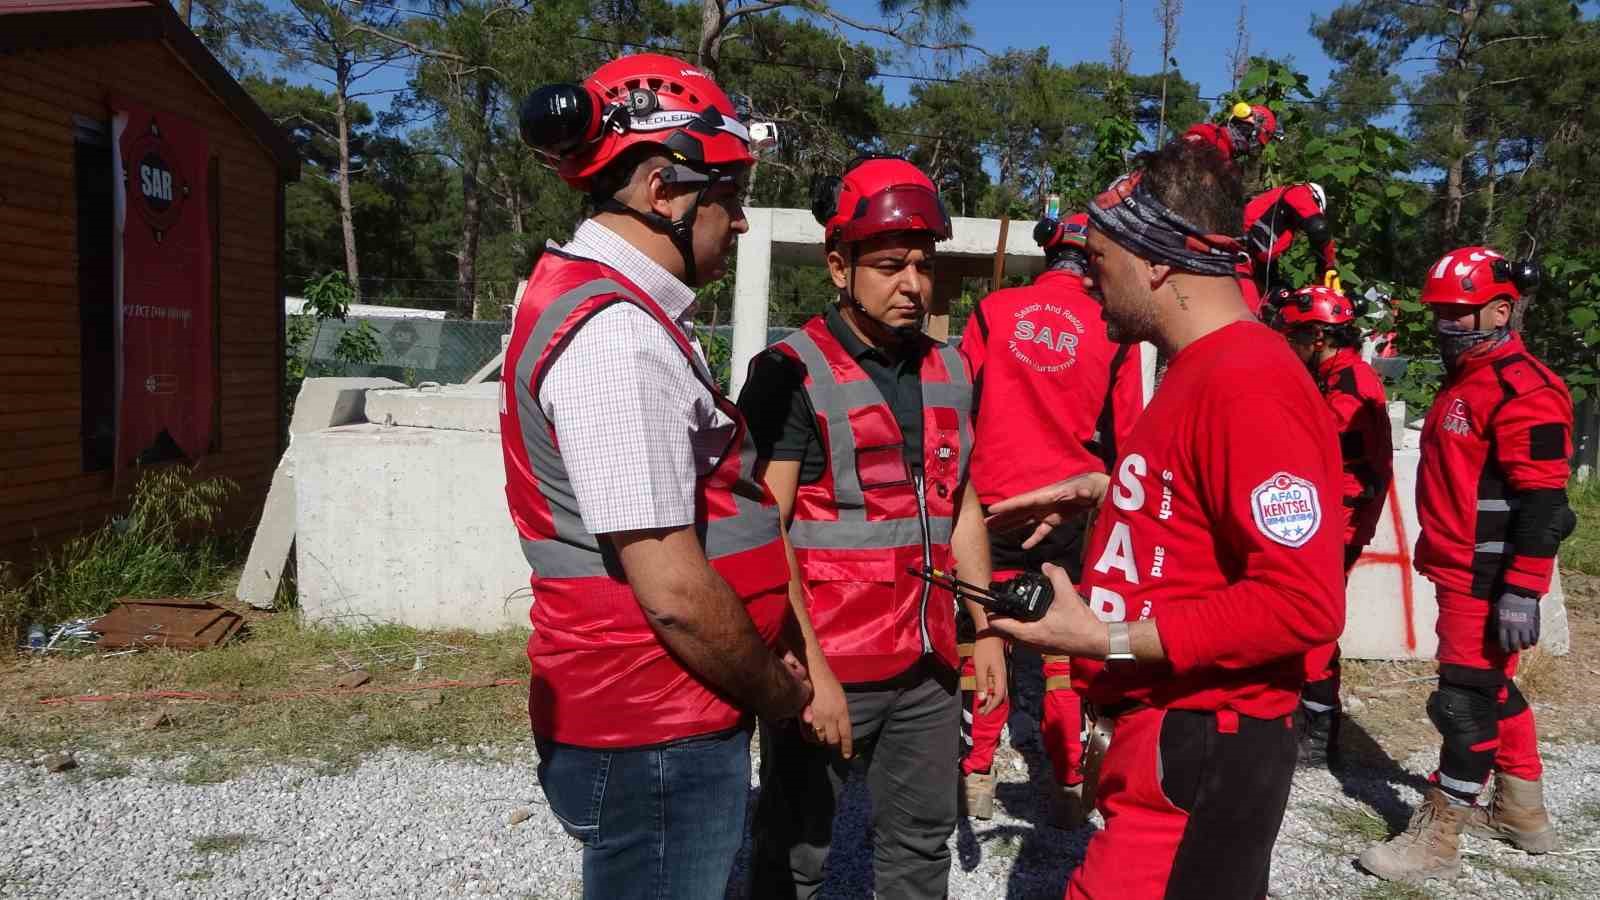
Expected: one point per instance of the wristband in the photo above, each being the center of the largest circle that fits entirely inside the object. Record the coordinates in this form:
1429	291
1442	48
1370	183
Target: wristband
1120	644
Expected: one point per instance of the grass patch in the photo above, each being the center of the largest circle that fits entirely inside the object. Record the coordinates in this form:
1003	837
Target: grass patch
1355	823
1589	811
1581	551
197	875
1394	890
222	844
1525	875
166	546
279	656
98	771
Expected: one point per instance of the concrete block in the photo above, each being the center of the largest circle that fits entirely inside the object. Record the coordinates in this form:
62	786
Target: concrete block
453	406
407	525
326	402
1390	609
322	403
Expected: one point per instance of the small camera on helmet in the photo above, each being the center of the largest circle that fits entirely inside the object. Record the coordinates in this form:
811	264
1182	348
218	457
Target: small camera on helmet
1526	274
557	119
763	136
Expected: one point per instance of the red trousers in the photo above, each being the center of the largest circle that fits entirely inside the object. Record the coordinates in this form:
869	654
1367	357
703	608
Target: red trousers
1470	653
1061	728
1192	803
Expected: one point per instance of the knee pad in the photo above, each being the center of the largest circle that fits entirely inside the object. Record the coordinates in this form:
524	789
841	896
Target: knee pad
1463	714
1468	721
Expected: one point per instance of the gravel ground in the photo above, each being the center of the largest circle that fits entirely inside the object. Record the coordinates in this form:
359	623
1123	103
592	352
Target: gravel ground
426	825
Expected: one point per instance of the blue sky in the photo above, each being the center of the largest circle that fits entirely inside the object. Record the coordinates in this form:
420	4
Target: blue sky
1077	30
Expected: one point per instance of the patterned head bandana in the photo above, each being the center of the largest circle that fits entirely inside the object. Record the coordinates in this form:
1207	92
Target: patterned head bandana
1130	214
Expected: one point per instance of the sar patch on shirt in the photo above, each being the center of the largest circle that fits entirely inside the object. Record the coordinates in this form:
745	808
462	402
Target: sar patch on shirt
1286	510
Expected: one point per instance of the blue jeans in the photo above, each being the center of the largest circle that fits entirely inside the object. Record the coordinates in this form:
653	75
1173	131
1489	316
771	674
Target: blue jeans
656	823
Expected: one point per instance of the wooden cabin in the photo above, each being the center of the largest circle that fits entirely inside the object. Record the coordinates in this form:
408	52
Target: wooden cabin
77	289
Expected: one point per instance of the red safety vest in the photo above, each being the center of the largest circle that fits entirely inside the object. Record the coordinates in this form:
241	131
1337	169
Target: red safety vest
868	520
601	677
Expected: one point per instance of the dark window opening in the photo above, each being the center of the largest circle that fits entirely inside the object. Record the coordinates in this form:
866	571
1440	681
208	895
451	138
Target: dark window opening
97	322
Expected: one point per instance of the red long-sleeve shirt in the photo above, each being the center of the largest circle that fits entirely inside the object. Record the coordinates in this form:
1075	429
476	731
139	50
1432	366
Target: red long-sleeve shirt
1361	415
1500	427
1053	397
1222	524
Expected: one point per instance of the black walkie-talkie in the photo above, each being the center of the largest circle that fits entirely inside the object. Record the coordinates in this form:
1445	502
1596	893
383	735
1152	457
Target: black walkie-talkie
1026	597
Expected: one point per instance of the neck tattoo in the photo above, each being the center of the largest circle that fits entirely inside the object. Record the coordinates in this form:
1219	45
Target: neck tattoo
1183	302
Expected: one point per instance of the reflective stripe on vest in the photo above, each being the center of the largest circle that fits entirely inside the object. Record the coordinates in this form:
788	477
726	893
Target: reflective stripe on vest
572	552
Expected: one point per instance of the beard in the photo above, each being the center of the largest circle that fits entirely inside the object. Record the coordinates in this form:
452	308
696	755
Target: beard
1128	320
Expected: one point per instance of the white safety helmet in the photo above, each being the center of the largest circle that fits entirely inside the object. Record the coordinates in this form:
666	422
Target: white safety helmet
1318	194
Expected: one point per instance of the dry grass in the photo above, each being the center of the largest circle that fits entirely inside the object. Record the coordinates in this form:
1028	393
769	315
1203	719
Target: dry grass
276	655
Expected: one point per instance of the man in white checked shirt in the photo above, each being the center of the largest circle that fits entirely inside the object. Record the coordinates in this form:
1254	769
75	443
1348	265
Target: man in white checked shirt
661	586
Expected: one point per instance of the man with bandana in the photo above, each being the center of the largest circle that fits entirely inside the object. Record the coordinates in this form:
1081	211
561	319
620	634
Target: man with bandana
1492	502
1214	562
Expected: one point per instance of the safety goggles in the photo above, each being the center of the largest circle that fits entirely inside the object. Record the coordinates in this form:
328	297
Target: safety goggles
895	209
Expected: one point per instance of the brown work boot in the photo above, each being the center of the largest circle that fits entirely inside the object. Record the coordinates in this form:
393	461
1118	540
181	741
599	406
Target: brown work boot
1066	806
1430	847
1515	813
977	795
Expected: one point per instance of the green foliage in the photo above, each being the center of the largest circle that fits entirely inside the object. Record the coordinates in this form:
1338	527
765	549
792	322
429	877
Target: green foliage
167	545
327	296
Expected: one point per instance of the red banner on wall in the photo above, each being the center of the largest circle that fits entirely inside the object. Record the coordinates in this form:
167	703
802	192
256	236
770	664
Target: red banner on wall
164	287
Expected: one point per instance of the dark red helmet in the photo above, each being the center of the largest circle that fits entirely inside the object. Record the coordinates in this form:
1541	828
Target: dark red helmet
646	98
878	195
1472	276
1073	231
1314	305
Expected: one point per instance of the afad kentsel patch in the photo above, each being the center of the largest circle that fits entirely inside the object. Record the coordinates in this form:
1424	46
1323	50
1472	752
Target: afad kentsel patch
1286	510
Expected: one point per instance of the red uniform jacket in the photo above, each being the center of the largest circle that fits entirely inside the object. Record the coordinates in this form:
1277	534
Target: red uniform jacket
1361	413
1500	427
1222	524
1272	219
601	677
1053	397
868	520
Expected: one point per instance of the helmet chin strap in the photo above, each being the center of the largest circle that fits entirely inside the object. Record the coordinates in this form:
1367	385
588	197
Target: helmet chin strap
680	231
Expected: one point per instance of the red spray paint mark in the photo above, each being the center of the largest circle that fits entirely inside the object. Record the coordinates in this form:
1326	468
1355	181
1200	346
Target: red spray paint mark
1401	558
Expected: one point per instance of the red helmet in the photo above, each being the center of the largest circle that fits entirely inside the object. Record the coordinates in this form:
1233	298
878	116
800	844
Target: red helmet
878	195
1314	305
1072	231
646	98
1472	276
1259	122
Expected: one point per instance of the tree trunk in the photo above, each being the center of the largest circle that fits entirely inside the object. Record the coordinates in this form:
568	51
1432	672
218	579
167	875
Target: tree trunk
1454	185
341	114
713	19
472	203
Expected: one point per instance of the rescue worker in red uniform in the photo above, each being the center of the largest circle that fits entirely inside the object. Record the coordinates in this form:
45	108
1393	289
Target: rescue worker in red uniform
656	628
864	427
1271	221
1052	398
1320	325
1492	502
1248	130
1214	562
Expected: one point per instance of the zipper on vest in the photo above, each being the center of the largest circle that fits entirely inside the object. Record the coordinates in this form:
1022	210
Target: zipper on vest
927	562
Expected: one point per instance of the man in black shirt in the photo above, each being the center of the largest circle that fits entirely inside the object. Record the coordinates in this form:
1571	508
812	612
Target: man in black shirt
863	427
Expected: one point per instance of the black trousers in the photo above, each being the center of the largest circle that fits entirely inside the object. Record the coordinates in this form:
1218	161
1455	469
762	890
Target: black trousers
906	733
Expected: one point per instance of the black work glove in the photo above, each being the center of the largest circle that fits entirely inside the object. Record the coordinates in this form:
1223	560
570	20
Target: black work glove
1518	618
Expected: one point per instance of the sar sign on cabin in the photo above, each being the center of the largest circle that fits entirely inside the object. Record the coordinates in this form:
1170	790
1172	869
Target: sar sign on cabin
141	254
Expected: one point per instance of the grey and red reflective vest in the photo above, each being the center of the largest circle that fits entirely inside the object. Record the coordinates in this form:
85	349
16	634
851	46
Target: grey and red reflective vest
601	677
1499	430
869	519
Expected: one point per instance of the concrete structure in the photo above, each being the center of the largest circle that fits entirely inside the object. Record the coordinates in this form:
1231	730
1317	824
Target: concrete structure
793	236
322	403
404	519
1391	609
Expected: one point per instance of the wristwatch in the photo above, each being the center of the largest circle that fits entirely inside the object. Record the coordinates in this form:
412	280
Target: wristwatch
1120	644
